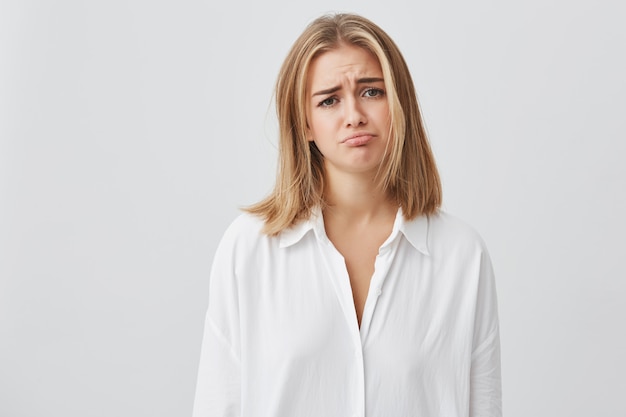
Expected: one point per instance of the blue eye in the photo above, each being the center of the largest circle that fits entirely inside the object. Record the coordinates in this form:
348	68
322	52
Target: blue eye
373	92
327	102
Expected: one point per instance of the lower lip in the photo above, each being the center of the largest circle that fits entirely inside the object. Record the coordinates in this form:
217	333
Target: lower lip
358	141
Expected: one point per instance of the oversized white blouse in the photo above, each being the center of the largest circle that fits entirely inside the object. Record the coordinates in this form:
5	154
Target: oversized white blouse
281	337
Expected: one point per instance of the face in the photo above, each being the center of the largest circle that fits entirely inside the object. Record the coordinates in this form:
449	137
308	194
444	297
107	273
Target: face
347	110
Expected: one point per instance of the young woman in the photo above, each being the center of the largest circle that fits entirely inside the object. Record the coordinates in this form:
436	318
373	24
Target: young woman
347	292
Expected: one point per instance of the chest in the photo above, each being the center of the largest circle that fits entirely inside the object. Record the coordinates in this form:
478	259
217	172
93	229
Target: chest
359	250
300	307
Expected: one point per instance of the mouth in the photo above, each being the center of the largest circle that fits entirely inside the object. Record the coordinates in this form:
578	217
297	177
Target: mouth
358	139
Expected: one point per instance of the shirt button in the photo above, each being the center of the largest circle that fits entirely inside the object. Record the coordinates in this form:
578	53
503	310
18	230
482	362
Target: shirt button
379	291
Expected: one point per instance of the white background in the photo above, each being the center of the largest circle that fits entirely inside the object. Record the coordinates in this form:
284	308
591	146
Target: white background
131	131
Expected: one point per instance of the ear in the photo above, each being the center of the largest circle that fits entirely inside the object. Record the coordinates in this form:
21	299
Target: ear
309	133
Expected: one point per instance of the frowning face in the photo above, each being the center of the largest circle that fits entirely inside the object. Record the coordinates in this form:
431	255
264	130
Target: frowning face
347	110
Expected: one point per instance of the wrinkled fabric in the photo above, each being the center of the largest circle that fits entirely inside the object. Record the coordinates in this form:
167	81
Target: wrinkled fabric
281	336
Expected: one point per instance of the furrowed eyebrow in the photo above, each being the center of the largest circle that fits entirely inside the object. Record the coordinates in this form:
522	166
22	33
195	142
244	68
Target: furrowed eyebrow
328	91
369	80
359	81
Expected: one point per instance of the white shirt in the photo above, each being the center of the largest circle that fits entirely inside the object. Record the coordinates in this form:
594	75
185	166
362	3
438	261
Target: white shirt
281	336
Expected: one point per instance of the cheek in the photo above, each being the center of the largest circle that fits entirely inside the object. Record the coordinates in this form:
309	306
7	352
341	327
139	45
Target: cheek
320	124
385	119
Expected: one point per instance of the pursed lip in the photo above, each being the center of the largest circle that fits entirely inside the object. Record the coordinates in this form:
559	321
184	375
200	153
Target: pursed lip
359	138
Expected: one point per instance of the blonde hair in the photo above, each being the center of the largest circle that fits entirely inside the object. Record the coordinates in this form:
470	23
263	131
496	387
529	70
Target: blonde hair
408	174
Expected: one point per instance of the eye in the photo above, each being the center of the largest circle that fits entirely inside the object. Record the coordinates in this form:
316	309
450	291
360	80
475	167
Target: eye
328	102
373	92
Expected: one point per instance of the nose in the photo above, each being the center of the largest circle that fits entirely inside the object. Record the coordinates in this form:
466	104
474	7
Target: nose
354	114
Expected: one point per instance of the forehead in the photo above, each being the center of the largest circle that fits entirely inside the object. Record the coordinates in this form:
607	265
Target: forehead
343	62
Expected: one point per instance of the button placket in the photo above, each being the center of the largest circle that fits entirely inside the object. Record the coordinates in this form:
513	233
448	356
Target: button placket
381	269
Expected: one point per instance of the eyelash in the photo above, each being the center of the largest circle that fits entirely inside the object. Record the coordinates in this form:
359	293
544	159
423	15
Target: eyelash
379	93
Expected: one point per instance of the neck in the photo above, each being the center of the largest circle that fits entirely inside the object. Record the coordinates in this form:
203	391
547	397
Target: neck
356	198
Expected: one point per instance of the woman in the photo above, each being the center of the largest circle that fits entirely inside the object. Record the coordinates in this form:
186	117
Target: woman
347	292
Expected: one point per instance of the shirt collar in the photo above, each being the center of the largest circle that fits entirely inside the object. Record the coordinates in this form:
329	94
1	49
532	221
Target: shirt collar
415	231
296	232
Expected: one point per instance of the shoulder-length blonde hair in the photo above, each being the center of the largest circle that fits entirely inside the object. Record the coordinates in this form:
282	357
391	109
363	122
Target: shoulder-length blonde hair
408	174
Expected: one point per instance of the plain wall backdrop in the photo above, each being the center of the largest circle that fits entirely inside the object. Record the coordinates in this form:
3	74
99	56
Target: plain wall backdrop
131	131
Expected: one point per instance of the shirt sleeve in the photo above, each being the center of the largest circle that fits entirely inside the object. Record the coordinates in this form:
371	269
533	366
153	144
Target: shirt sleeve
218	388
218	385
485	374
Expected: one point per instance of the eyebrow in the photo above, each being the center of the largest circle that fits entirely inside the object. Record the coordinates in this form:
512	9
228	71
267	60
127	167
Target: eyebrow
359	81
